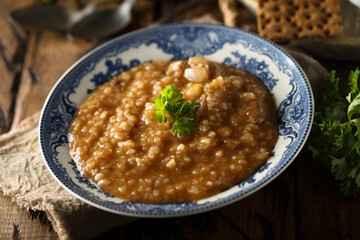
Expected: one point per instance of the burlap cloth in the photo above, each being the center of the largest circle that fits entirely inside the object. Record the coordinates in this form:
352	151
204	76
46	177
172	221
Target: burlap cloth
25	178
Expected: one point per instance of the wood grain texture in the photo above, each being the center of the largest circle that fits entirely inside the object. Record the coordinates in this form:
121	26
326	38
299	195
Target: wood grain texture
29	228
10	48
322	211
302	203
55	54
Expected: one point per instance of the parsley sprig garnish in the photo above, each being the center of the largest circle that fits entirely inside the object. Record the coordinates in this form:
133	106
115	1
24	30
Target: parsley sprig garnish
181	112
335	136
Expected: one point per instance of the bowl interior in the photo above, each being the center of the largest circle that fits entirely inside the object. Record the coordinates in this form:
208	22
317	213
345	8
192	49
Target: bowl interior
240	49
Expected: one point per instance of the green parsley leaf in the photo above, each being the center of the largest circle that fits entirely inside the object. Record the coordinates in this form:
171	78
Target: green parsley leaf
181	112
335	137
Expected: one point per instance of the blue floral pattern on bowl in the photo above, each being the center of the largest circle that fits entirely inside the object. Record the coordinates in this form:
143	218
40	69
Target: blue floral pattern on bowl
235	47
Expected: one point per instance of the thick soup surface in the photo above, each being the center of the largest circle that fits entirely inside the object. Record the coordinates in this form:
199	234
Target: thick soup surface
117	144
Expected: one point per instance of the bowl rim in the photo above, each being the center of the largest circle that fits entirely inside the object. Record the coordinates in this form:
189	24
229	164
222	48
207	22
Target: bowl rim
215	204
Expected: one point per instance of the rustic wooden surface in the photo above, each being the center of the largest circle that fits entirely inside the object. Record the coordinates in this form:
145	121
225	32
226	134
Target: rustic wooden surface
302	203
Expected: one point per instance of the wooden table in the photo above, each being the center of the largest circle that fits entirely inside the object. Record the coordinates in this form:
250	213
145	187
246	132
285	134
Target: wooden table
302	203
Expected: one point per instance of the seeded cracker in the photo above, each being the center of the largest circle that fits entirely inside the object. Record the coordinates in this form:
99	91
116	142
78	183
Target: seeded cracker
285	20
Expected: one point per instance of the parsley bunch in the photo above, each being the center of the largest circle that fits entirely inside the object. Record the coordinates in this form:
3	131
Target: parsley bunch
171	100
335	135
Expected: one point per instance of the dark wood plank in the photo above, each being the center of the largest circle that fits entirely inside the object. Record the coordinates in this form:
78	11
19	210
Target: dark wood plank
188	10
30	227
9	49
322	211
24	85
55	54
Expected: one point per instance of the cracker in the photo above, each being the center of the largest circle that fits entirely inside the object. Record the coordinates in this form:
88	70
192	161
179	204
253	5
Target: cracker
285	20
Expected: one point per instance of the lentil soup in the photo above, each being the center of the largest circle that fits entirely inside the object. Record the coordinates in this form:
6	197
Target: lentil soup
118	145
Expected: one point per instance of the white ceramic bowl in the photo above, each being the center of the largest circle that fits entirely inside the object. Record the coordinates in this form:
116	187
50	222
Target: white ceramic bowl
235	47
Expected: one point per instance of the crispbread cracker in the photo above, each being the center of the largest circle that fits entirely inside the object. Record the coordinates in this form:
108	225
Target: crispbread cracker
285	20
